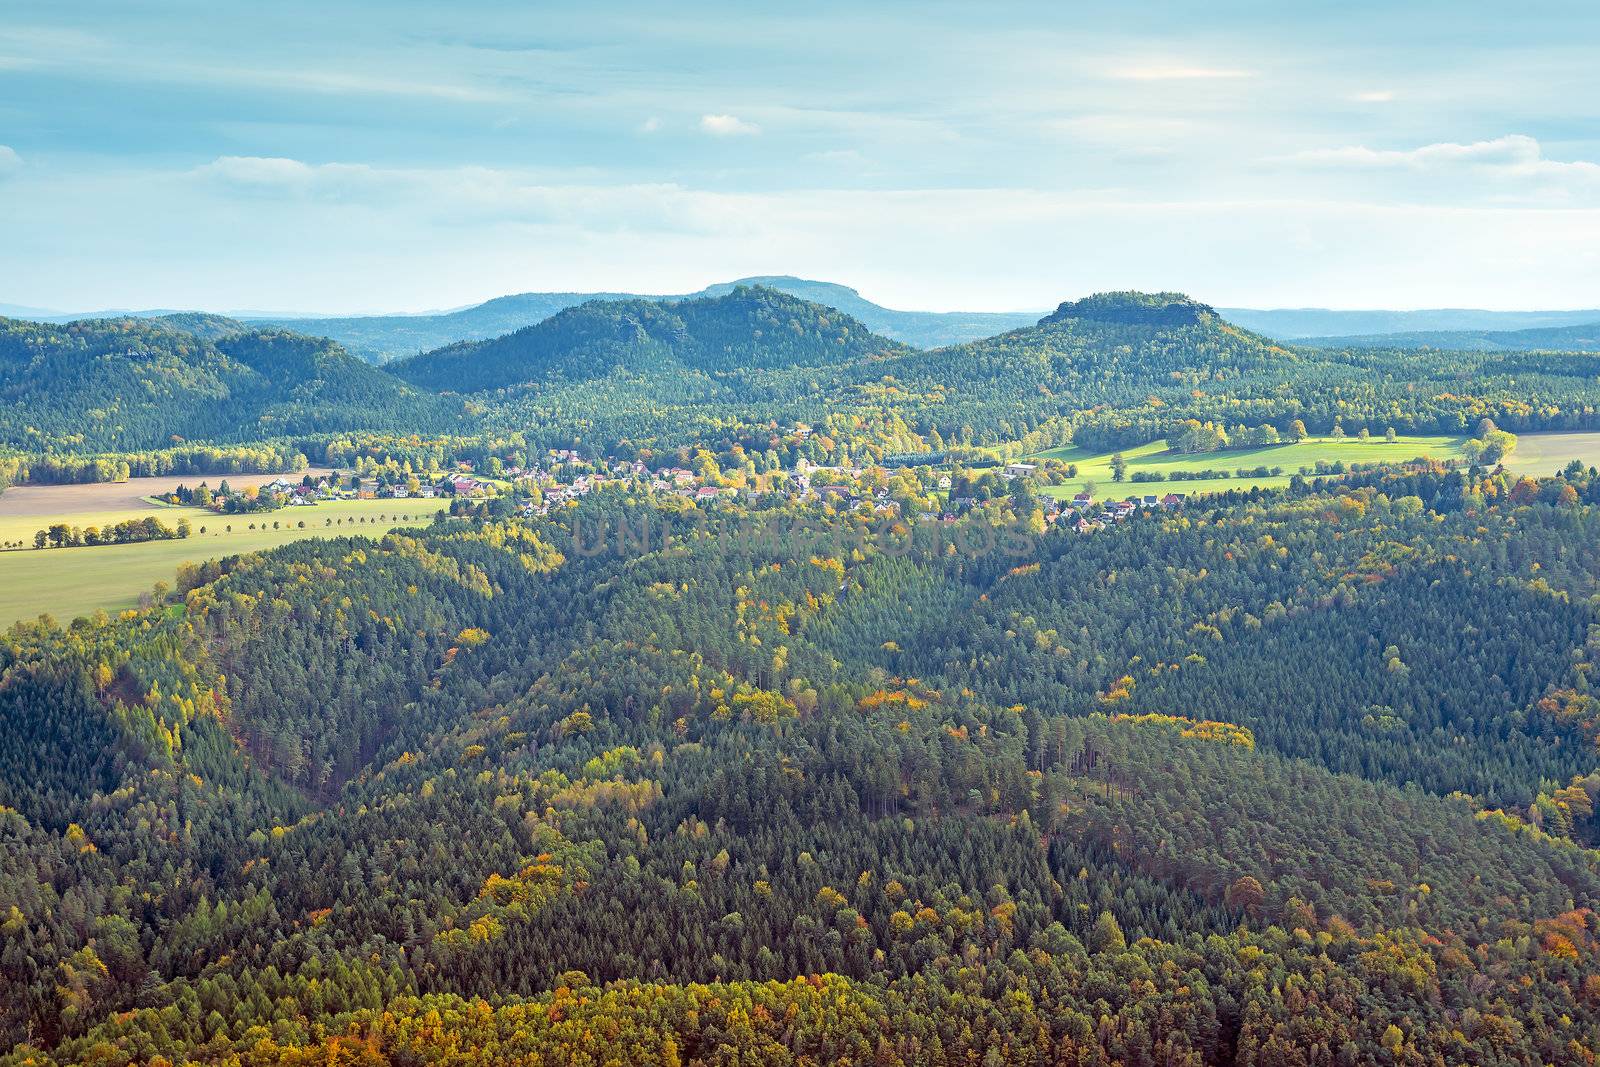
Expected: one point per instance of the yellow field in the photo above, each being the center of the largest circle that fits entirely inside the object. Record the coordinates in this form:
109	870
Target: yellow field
1547	453
118	497
68	582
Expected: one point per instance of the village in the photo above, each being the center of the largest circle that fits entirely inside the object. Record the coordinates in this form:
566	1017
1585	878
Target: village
567	477
564	475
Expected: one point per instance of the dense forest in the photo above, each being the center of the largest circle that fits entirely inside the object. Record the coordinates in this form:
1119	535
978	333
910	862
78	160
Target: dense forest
1297	777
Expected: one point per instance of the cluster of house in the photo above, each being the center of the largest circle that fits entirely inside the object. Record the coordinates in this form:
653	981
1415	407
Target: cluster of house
672	480
456	484
1083	517
298	494
840	486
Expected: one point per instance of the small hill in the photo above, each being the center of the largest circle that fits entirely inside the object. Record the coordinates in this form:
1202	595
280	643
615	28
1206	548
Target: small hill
748	329
202	324
127	384
1134	309
1115	338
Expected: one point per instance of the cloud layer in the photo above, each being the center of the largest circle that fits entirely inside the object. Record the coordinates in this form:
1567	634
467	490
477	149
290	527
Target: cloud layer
411	156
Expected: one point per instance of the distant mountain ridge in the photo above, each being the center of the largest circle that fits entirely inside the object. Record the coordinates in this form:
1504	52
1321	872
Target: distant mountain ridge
1293	324
381	338
1584	337
919	329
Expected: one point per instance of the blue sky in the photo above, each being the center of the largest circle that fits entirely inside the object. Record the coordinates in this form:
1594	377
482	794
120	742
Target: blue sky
405	156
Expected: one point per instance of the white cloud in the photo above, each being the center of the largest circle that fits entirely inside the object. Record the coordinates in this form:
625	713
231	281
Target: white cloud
1513	164
1512	150
259	170
1125	129
468	197
1179	73
98	57
277	175
1375	96
10	162
727	126
650	125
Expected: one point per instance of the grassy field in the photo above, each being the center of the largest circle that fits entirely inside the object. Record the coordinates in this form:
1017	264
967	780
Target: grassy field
67	582
1096	467
99	497
1536	453
1547	453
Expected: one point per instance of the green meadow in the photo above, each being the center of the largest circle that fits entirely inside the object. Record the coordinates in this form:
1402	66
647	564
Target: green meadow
1536	453
68	582
1095	467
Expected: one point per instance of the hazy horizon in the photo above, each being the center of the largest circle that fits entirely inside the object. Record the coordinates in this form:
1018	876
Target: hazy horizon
18	309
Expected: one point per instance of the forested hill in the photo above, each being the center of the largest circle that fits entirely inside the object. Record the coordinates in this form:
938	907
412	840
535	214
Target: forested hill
119	384
1100	344
203	325
749	329
1112	369
1113	350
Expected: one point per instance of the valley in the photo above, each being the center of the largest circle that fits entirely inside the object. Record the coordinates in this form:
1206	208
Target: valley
668	668
69	582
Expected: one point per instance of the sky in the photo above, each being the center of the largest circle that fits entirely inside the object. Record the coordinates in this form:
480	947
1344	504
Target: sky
403	156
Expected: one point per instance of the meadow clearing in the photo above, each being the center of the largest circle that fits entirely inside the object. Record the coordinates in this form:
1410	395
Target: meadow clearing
1536	453
68	582
1547	453
60	503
